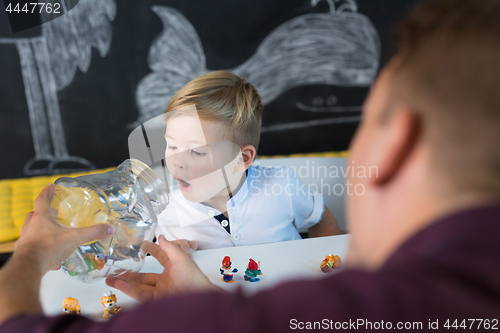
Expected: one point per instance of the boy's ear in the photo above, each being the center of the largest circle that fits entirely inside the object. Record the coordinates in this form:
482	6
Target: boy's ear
247	155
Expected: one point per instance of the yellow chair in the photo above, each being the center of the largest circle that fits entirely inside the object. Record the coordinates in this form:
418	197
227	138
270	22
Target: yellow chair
17	198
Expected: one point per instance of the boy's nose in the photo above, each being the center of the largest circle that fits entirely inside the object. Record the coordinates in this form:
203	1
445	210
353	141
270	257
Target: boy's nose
179	160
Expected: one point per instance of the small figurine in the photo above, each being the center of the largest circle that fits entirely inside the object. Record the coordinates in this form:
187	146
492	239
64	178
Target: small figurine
92	262
226	270
71	306
253	270
98	261
109	303
330	262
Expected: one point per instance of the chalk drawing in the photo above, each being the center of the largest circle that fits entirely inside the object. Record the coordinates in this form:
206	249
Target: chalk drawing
339	5
308	108
340	47
316	122
176	57
48	64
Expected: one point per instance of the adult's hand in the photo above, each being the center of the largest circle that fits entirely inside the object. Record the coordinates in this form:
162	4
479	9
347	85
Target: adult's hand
186	246
44	244
47	241
180	275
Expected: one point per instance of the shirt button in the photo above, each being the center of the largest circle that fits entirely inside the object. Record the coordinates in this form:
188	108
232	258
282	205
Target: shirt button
236	237
211	213
224	223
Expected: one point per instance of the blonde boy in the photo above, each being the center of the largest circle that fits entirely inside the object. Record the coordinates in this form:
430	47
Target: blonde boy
212	135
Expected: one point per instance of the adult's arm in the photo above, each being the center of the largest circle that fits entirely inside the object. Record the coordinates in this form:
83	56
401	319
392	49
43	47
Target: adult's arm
44	244
415	289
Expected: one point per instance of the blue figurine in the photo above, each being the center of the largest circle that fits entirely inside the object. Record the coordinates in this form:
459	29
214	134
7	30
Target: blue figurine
226	270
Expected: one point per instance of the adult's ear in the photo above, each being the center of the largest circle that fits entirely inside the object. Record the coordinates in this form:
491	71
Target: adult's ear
399	140
246	158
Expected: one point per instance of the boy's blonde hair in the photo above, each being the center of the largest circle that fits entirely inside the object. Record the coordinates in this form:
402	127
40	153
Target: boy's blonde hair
225	98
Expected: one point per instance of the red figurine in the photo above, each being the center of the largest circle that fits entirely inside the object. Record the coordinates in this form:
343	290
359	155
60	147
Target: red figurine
253	270
227	273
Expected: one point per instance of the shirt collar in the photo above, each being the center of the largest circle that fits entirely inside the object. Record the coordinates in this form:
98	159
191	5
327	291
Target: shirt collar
242	193
235	200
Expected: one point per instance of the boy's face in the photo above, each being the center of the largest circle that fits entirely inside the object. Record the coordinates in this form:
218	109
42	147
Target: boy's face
196	154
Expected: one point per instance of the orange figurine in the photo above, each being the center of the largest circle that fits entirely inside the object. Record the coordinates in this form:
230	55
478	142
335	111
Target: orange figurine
109	303
71	306
330	262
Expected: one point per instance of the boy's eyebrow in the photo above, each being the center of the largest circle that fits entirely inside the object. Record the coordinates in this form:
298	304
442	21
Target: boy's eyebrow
192	141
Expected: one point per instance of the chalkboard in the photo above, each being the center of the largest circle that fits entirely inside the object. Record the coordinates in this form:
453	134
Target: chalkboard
72	90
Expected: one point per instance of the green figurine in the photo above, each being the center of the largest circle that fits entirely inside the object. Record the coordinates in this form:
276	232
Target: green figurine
252	271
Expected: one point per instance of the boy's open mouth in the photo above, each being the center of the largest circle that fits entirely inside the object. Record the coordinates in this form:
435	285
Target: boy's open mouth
183	185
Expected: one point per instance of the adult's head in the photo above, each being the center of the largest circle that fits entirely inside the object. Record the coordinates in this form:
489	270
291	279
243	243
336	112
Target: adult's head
431	126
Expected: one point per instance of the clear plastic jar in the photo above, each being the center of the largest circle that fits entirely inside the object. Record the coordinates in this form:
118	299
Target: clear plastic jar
129	198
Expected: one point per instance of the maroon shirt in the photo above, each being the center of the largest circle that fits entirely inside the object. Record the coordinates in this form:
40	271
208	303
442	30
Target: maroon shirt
450	270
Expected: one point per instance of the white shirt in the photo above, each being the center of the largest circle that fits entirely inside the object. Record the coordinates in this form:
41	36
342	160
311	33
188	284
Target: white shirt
269	207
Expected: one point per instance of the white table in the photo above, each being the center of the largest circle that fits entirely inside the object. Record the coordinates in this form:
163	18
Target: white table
280	262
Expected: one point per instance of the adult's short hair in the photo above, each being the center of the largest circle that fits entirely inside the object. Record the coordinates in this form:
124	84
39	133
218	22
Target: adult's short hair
447	69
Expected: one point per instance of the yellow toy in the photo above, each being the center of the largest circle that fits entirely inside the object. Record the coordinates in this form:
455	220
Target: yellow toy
330	262
109	303
99	262
71	306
